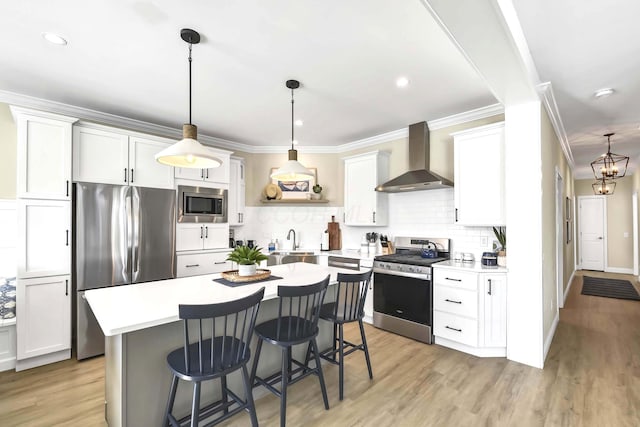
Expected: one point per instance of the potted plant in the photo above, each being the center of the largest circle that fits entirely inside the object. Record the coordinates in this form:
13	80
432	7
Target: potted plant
247	258
501	235
317	190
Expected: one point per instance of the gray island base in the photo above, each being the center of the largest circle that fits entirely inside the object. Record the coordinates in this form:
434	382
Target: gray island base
141	326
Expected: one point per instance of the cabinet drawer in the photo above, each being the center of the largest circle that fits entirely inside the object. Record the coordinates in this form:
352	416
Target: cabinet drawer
456	301
459	279
207	263
455	328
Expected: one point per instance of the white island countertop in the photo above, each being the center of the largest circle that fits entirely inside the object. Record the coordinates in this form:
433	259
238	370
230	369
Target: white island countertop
128	308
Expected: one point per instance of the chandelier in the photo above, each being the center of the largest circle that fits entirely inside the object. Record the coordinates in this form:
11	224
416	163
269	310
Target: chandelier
610	165
603	186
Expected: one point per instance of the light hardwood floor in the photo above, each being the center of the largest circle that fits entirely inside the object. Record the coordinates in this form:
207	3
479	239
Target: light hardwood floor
591	378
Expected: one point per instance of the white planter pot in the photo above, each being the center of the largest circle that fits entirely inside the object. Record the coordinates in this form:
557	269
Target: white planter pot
246	270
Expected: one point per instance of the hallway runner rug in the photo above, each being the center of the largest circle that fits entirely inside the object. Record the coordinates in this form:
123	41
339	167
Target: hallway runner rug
609	288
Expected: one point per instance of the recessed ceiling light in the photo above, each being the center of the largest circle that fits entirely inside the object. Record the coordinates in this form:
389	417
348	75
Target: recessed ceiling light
604	92
54	38
299	122
402	82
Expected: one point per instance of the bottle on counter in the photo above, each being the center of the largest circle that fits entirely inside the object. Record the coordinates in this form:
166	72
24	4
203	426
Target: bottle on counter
324	242
272	246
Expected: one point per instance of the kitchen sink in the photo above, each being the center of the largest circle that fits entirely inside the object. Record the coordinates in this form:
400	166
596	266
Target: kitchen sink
288	257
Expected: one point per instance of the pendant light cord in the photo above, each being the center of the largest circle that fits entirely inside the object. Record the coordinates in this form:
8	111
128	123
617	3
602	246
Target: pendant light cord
190	45
292	119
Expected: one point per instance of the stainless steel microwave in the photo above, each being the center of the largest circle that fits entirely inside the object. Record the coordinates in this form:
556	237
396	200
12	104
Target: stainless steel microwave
202	204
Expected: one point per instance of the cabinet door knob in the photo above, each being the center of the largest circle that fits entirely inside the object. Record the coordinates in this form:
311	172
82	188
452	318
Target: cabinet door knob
489	280
374	217
456	214
67	238
453	301
125	174
192	265
202	173
66	287
67	188
201	232
131	175
453	329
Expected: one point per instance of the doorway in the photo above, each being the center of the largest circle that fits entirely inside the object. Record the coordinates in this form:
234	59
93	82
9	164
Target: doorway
559	240
593	232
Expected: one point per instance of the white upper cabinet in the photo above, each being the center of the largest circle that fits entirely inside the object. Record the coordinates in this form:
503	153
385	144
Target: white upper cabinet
44	238
196	237
144	170
362	204
213	175
109	156
237	191
43	155
479	175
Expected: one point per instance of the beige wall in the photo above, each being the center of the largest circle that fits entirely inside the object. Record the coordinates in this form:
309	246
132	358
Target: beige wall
619	220
553	158
8	138
331	168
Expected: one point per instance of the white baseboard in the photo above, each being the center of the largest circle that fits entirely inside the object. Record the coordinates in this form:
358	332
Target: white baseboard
552	332
368	319
476	351
618	270
568	286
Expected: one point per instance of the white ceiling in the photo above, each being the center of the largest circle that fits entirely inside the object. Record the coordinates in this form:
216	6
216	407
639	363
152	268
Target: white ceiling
126	58
581	47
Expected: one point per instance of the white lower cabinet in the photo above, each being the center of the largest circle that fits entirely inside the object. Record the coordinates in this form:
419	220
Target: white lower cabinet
202	263
43	323
196	237
470	311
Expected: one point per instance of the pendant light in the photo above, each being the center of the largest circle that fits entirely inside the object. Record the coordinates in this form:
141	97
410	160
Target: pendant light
292	170
610	165
603	187
189	153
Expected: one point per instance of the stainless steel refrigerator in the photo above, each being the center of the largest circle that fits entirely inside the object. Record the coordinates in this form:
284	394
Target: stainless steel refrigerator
123	235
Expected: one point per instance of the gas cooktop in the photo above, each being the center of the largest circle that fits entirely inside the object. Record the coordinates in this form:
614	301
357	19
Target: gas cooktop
411	259
418	251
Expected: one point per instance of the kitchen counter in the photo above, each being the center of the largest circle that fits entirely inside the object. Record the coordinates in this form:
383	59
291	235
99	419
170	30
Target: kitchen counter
141	326
476	267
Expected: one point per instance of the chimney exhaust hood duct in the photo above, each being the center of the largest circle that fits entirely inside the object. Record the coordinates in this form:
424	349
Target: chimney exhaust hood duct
419	177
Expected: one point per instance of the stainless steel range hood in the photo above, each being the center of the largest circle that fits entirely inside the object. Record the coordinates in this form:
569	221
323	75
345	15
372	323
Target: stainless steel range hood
419	176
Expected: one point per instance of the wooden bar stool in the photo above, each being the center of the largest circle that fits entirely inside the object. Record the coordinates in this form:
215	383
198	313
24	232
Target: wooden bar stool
297	323
351	292
214	355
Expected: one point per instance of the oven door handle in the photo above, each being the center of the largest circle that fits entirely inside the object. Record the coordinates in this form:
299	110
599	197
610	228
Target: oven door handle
420	276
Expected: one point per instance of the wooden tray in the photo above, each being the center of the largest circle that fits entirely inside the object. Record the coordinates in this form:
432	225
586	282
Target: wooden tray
232	276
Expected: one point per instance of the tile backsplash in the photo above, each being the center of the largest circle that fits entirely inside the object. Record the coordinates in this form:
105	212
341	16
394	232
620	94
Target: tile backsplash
420	213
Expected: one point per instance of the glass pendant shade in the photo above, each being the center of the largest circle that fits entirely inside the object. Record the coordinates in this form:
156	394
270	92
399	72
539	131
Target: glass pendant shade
603	187
610	165
292	170
188	153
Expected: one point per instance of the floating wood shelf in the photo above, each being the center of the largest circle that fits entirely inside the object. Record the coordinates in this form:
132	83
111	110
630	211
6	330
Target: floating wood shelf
293	201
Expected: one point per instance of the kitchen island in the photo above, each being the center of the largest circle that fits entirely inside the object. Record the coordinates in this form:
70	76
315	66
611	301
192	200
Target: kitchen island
141	326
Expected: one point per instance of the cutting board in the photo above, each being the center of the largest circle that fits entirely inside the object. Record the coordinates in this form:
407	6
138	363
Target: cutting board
335	236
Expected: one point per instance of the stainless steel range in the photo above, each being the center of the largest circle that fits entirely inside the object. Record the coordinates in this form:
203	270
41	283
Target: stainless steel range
403	290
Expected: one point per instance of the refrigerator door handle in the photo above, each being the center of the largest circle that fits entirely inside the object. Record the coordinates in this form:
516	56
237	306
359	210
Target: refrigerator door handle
135	241
125	231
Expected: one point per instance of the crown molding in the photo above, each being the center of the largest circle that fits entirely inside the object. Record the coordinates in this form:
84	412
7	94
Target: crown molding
86	115
549	101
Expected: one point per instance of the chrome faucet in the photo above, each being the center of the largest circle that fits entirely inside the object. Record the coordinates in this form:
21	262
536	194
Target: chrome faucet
294	238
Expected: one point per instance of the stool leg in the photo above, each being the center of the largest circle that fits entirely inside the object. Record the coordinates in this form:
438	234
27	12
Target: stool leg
307	358
256	356
195	405
283	391
341	361
319	371
335	340
289	363
366	349
172	398
225	398
249	397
